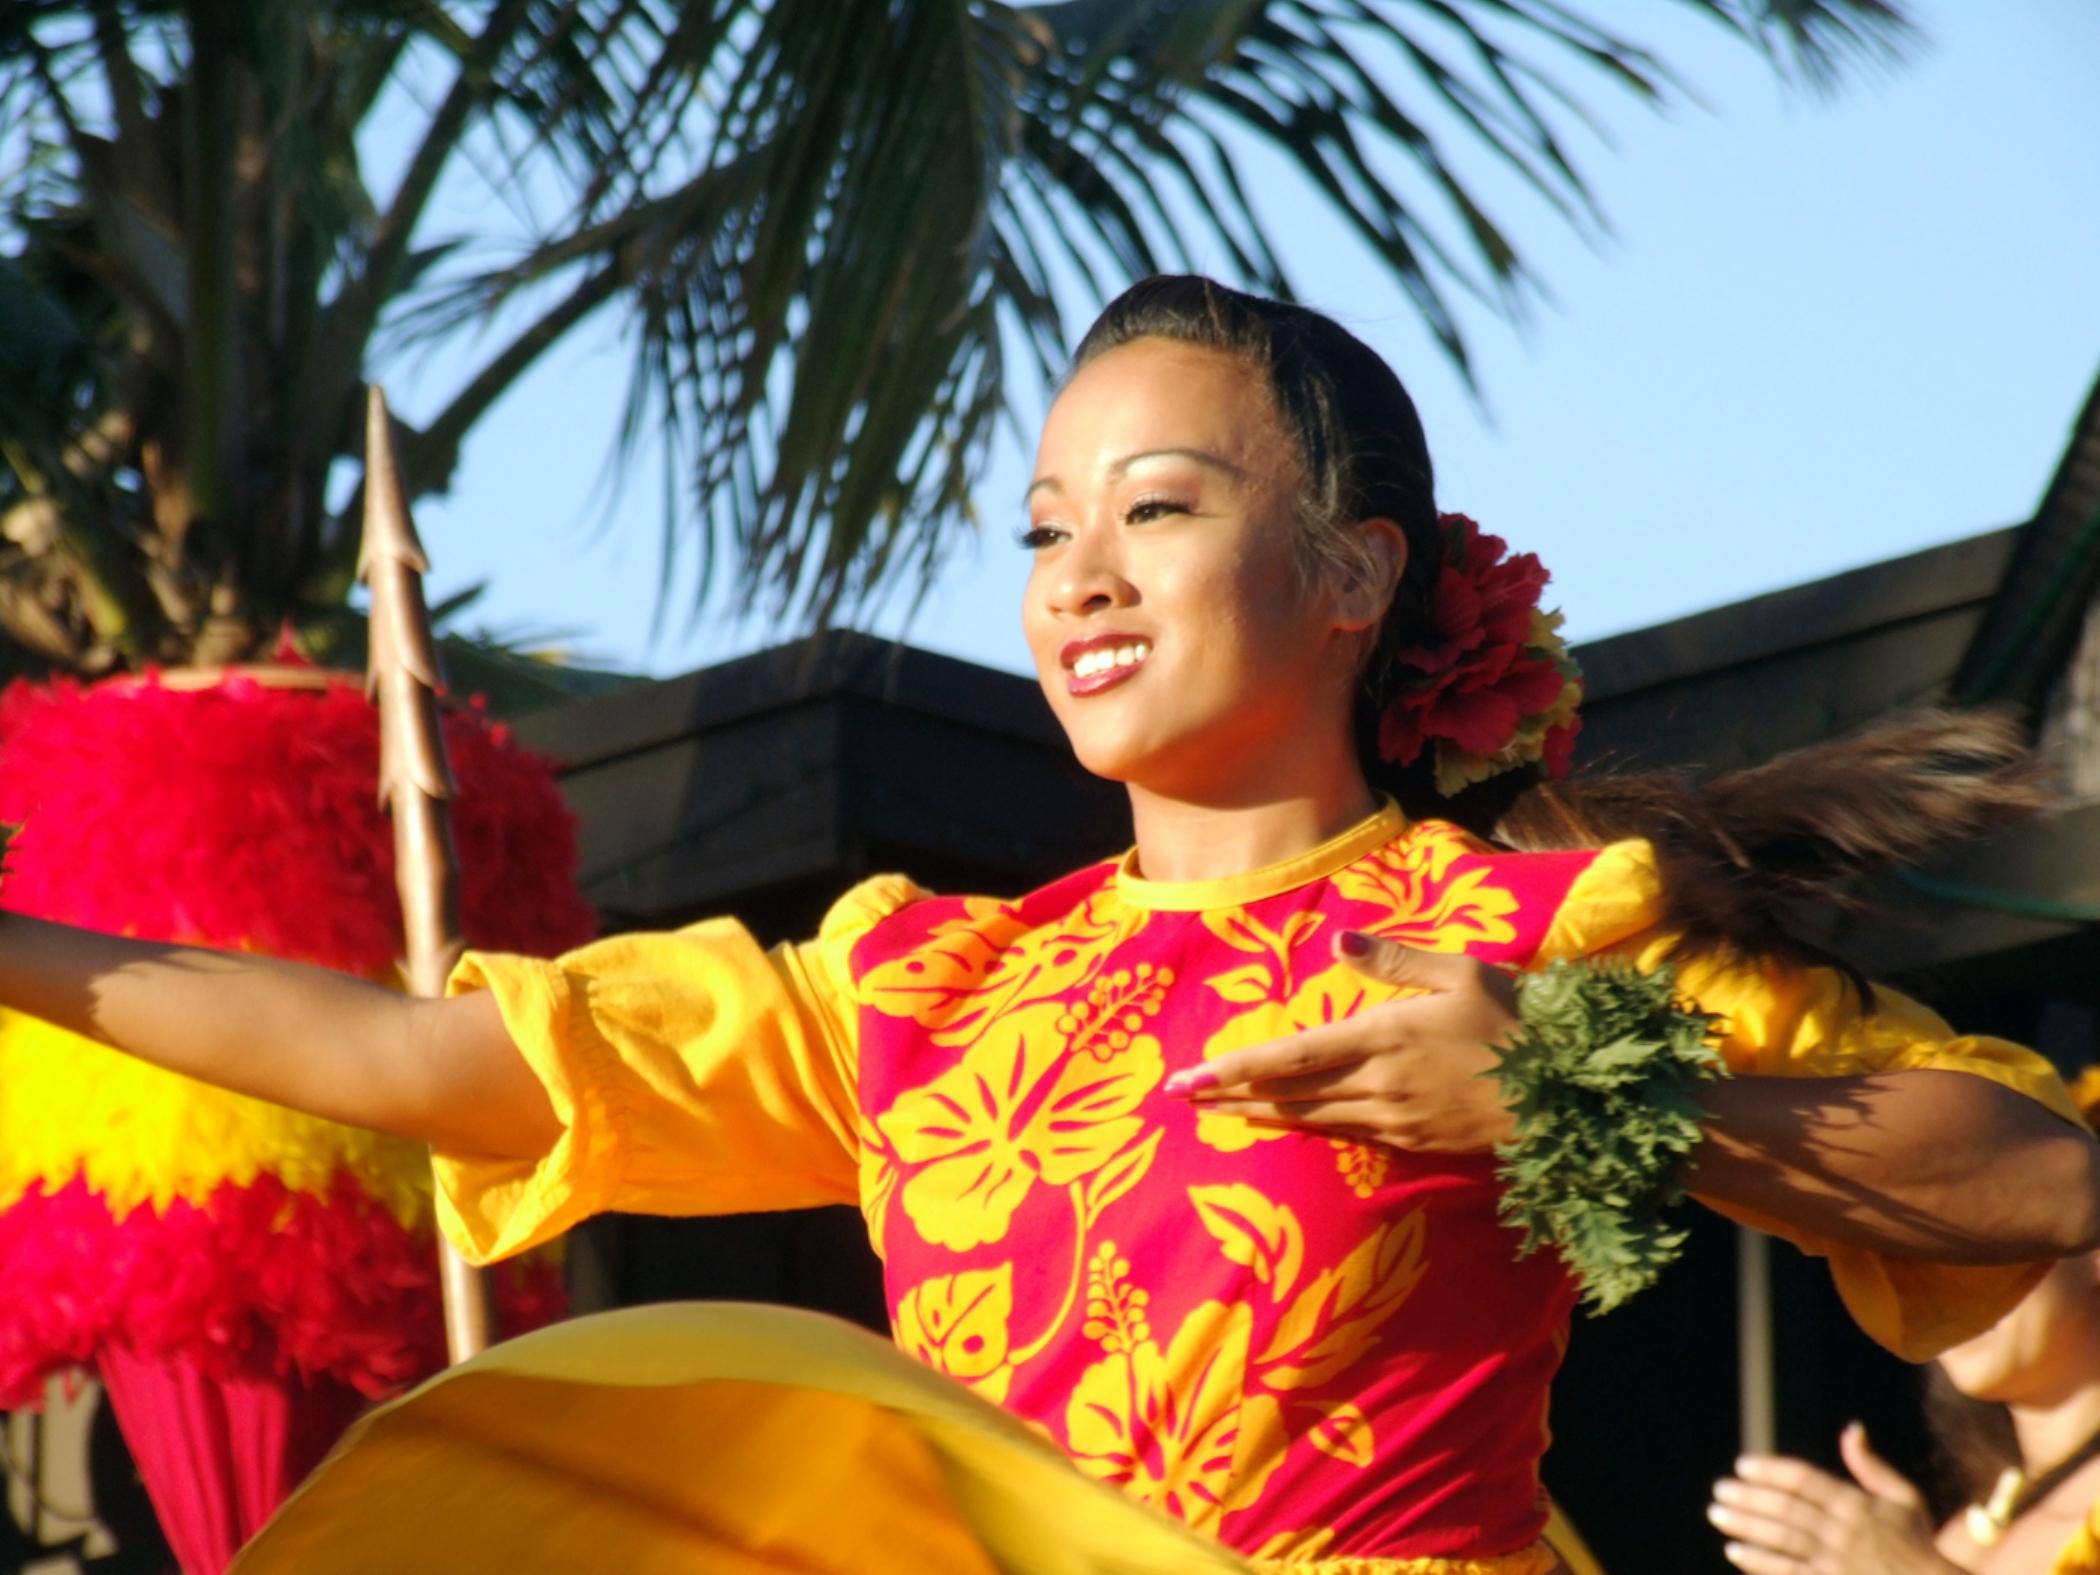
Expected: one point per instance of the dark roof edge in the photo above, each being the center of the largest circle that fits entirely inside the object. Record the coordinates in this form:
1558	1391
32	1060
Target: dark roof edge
1955	574
2034	620
835	663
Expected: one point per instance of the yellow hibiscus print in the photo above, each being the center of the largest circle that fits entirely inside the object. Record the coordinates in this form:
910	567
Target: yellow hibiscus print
1023	1104
1426	906
1172	1427
958	1324
989	962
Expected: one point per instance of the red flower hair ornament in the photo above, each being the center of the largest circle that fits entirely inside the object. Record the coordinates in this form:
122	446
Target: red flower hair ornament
1493	687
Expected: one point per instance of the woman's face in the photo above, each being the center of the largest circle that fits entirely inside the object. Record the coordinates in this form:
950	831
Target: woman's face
1170	624
2044	1348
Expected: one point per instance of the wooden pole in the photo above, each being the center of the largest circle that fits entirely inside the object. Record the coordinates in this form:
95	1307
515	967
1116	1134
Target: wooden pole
404	679
1756	1375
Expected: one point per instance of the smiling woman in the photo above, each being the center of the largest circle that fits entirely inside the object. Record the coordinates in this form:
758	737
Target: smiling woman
1184	1160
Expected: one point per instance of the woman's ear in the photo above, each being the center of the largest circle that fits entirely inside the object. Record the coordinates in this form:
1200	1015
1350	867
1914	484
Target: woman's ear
1362	602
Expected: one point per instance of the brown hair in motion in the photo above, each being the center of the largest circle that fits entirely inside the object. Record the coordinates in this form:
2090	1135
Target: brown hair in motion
1744	854
1973	1442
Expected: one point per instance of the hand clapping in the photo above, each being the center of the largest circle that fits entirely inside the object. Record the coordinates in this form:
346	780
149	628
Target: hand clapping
1785	1517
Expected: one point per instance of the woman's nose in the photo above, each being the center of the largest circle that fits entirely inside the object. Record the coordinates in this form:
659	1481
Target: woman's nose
1088	580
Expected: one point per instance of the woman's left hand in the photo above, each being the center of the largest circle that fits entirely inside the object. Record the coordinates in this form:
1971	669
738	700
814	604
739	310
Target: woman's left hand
1406	1072
1784	1517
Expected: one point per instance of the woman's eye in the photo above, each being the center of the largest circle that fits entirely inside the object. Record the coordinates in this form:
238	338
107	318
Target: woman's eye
1151	509
1037	537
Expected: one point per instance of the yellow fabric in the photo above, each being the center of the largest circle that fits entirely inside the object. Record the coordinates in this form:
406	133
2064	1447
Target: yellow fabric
730	1092
717	1437
2081	1555
1806	1022
1234	891
734	1439
139	1135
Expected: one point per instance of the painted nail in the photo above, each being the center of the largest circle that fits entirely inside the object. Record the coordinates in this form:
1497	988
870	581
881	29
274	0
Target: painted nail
1194	1081
1353	943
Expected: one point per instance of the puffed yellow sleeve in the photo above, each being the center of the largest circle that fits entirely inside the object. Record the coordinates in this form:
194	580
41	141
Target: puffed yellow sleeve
1783	1021
693	1072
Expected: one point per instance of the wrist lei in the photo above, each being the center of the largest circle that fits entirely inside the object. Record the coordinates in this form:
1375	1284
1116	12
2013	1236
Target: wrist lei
1601	1077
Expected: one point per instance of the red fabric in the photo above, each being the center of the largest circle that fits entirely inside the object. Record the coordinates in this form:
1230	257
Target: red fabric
218	1455
1403	1417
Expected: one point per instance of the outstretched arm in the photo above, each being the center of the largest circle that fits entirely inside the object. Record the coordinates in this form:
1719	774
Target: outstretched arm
1924	1164
323	1042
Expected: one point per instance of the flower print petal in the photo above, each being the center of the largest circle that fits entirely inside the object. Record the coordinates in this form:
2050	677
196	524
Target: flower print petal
967	1201
1087	1117
958	1324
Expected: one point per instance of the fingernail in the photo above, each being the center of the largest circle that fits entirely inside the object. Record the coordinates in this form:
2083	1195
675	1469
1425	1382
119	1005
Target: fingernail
1194	1081
1353	943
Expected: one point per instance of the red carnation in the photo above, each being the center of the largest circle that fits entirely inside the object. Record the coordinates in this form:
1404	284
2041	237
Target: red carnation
1482	672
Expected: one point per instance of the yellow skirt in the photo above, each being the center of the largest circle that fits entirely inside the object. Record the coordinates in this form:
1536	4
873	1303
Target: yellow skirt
730	1438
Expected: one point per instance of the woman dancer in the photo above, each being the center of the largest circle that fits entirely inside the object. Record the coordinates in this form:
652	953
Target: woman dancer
1317	1348
2017	1412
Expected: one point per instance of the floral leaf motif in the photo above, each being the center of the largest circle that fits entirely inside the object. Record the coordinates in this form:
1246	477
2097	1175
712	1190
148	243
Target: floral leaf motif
1329	996
958	1324
878	1180
1338	1429
1243	932
1245	986
1425	906
1335	1318
1165	1427
1016	1108
1262	1443
1118	1176
1264	1236
973	969
935	980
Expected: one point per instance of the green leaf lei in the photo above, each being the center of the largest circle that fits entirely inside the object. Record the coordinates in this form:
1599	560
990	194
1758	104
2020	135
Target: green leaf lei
1602	1078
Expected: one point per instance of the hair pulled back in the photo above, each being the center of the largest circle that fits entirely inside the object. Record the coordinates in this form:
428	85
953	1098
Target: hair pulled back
1742	853
1361	456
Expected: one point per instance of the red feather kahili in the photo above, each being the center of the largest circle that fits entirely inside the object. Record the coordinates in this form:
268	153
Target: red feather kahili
246	817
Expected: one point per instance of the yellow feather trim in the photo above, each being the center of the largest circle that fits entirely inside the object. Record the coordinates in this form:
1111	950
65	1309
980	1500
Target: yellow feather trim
72	1107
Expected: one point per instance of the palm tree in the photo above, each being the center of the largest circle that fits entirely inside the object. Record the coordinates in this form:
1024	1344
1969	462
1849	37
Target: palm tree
829	225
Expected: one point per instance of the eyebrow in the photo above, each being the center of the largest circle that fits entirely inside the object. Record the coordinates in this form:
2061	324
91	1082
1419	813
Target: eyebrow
1201	456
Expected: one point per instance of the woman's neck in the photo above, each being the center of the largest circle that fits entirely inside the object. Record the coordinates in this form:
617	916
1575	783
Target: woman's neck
1178	840
2049	1434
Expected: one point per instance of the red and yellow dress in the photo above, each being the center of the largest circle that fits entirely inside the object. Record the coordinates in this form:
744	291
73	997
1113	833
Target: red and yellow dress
1322	1354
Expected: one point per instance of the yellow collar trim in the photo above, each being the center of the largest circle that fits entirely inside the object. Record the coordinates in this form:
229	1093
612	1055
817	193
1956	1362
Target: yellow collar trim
1236	891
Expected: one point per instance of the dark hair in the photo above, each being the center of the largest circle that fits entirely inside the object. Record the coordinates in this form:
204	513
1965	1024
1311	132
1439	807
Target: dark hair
1742	853
1973	1441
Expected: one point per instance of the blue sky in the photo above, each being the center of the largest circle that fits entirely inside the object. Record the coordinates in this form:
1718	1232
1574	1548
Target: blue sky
1822	332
